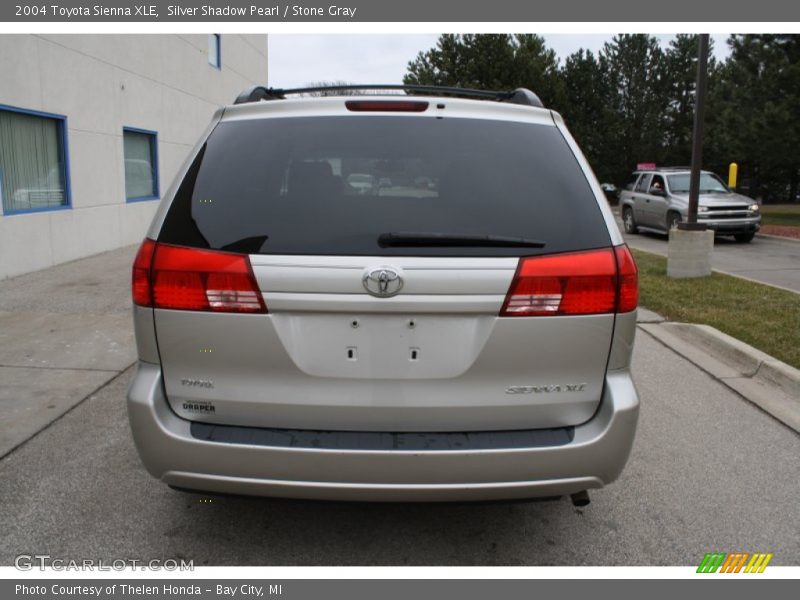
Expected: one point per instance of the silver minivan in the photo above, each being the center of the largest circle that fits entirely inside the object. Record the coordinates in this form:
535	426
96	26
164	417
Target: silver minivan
462	331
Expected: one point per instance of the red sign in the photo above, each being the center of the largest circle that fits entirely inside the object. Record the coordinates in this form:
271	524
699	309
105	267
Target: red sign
645	166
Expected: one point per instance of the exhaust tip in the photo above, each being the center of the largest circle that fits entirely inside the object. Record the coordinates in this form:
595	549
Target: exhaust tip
580	498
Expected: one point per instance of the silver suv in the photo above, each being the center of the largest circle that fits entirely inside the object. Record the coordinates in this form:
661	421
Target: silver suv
659	200
462	331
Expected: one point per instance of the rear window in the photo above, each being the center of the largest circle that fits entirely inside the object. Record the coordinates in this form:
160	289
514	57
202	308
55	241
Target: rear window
333	185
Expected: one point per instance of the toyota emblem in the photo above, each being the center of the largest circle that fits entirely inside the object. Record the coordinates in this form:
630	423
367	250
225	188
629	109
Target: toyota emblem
383	282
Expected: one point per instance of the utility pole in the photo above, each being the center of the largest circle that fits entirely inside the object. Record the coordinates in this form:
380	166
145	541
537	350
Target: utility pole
697	135
690	243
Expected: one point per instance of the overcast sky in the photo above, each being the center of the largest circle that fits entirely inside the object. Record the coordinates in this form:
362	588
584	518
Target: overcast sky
296	60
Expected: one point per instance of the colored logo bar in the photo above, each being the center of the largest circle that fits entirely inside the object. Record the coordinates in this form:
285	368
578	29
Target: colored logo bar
734	562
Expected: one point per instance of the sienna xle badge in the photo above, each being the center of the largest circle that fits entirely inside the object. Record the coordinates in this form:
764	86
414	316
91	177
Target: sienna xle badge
385	297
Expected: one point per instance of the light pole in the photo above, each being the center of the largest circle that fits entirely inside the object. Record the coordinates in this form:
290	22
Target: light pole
690	243
697	135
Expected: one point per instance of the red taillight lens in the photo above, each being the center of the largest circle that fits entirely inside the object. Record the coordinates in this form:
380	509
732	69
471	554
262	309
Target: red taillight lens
191	279
578	283
385	106
140	284
628	280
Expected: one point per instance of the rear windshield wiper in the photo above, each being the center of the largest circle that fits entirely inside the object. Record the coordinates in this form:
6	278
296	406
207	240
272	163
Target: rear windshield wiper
427	239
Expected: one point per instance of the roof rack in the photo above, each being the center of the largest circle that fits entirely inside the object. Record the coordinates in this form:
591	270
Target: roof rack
521	96
678	168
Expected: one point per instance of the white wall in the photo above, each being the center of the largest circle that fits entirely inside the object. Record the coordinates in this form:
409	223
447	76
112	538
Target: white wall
103	83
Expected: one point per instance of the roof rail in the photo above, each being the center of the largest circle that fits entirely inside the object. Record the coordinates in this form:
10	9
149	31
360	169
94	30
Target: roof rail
675	168
521	96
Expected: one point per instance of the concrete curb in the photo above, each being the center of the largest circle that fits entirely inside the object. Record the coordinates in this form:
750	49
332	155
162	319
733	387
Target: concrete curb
644	315
765	381
778	237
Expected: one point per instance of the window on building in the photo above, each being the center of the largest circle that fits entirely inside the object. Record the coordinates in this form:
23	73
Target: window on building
33	171
215	50
141	164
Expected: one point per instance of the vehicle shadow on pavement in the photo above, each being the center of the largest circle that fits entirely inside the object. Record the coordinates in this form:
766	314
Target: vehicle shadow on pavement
290	532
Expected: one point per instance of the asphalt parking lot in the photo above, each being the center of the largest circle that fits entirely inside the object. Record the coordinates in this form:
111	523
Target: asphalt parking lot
709	471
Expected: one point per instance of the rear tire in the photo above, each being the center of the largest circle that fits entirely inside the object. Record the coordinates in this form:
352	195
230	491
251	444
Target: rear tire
744	238
628	222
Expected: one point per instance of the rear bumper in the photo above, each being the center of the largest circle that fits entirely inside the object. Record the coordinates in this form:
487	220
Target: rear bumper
593	458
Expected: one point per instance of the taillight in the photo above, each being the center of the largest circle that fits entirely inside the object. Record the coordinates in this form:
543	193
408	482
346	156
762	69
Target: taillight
628	280
140	284
578	283
386	106
192	279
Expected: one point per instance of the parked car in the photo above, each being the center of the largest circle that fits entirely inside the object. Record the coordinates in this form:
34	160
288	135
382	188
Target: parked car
611	191
362	183
470	343
659	199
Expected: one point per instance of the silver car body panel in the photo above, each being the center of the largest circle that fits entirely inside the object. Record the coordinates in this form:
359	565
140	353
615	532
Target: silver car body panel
265	371
619	358
144	329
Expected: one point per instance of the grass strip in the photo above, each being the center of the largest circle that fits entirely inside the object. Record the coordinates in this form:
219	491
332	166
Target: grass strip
781	214
765	317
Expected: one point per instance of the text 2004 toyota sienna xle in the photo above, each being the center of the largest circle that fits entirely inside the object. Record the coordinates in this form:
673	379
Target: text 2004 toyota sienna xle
459	329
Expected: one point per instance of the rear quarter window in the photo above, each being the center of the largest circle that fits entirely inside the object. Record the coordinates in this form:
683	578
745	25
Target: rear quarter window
631	182
332	185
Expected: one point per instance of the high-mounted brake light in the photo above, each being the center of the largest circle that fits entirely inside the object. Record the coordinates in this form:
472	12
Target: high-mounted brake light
577	283
179	278
386	106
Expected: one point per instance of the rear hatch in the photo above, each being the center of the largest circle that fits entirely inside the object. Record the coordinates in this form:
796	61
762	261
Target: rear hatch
386	307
